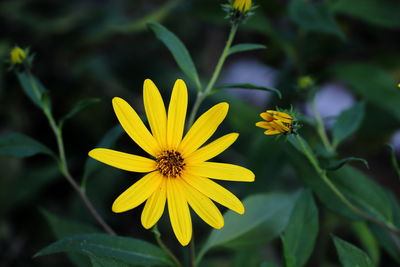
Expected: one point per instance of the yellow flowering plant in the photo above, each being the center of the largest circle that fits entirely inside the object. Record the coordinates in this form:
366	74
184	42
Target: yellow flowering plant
179	168
187	170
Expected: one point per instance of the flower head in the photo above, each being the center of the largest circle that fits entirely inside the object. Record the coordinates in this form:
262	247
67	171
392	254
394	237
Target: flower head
305	82
277	122
17	55
241	5
179	170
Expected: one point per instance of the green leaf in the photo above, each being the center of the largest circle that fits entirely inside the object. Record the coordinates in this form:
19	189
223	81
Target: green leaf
389	241
333	165
107	141
27	187
372	83
20	145
357	187
367	240
347	123
265	218
63	228
350	255
121	249
106	262
249	86
393	159
32	87
178	51
376	12
78	108
245	47
268	264
301	231
314	17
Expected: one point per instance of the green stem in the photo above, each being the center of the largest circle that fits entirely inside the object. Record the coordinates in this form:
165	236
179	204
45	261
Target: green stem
201	95
192	253
62	162
336	191
321	129
161	244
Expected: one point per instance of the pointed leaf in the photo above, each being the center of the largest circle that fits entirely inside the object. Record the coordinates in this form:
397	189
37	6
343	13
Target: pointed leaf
178	51
126	250
301	231
265	218
63	228
348	123
360	189
350	255
20	145
393	159
375	12
249	86
389	241
372	83
333	165
315	17
245	47
106	262
32	87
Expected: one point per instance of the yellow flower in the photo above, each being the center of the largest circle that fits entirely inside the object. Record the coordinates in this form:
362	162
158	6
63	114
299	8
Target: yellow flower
305	82
178	170
17	55
241	5
276	122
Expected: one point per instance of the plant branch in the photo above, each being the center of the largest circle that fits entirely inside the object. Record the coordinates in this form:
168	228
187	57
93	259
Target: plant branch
161	244
62	162
337	192
201	95
321	128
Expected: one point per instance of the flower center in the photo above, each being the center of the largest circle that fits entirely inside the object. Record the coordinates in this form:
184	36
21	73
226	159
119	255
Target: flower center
170	163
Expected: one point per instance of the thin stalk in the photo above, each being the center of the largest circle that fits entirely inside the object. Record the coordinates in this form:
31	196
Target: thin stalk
161	244
65	172
336	191
61	160
192	253
201	95
321	129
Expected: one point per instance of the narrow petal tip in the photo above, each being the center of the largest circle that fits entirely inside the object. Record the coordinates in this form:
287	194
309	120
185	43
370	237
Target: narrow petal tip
148	82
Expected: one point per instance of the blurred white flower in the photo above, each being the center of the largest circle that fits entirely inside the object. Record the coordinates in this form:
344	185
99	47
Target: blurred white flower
395	141
330	100
250	70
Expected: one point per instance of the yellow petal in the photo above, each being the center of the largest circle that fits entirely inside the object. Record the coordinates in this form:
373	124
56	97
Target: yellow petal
272	132
123	161
263	124
155	111
177	114
134	126
215	192
203	206
212	149
137	193
179	212
266	116
154	207
221	171
280	114
203	128
278	125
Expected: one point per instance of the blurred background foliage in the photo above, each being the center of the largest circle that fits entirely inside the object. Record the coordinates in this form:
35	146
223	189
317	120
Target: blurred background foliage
102	49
